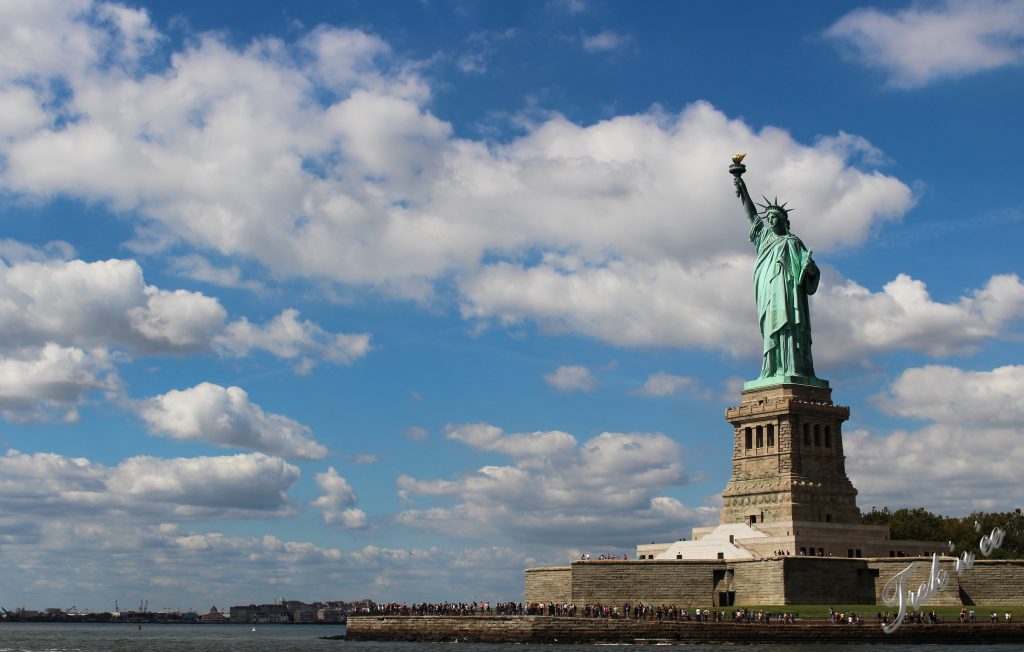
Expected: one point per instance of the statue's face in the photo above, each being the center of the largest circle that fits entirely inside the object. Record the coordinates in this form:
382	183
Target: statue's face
778	222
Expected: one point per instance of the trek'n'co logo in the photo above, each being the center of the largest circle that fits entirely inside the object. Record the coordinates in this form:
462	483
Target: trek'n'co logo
893	593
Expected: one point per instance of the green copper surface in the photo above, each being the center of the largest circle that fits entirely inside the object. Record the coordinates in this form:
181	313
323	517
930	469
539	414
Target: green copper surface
784	380
784	276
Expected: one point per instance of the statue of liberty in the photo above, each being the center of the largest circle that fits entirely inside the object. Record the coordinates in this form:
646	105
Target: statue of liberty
784	276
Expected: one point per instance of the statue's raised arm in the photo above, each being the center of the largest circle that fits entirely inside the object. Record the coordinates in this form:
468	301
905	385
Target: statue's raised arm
737	169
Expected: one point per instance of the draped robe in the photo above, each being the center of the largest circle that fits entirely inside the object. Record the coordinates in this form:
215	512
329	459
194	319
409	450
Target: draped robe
784	276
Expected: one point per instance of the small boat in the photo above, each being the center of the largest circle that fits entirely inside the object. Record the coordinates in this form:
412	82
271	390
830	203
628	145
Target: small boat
254	629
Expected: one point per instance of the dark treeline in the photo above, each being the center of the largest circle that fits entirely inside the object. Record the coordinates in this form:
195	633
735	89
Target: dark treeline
921	524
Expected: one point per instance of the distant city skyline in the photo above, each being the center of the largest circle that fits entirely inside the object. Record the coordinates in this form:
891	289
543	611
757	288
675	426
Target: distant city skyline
394	300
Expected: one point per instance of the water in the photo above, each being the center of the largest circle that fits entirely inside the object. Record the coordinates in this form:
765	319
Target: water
61	637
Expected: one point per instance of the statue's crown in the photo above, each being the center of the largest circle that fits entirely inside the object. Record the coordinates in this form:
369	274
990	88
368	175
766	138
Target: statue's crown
769	206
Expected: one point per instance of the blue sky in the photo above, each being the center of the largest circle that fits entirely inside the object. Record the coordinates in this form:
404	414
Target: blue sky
337	300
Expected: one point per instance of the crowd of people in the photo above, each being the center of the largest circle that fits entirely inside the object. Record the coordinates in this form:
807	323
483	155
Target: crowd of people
932	618
586	556
842	618
641	611
445	609
634	611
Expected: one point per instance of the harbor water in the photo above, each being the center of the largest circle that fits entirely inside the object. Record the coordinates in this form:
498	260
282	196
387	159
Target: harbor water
61	637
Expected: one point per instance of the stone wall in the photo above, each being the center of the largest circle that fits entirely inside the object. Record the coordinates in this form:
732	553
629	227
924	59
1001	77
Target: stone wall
788	580
551	584
993	582
828	580
778	581
684	583
544	629
920	571
614	582
483	629
759	582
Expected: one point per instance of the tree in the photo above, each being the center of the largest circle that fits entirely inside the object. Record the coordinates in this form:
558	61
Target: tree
962	531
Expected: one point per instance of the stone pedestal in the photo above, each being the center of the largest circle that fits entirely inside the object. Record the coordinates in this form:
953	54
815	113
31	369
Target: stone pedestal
788	463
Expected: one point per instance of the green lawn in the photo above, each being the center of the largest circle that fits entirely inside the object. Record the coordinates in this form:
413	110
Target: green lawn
868	611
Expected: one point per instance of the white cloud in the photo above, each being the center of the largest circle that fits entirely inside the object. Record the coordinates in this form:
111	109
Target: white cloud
337	502
137	36
948	468
571	6
19	107
39	383
14	251
145	488
45	38
63	323
287	337
226	417
107	303
572	378
924	43
481	46
237	151
103	303
550	445
662	383
857	322
416	433
955	396
249	483
171	563
604	41
196	267
968	457
643	304
59	561
352	518
623	303
329	166
337	491
344	58
178	320
604	490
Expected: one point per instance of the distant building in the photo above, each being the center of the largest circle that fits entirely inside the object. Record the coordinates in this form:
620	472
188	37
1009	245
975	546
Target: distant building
273	614
213	617
300	612
242	614
328	615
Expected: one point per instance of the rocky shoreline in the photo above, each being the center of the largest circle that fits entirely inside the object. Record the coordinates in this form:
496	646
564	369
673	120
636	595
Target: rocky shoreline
546	629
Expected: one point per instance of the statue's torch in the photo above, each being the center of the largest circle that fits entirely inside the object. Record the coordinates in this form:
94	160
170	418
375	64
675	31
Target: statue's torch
737	168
